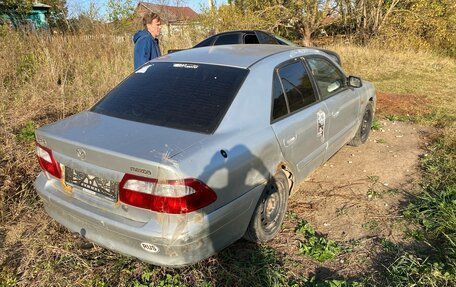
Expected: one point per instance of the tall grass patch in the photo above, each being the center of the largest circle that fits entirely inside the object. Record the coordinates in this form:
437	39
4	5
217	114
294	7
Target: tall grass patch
434	212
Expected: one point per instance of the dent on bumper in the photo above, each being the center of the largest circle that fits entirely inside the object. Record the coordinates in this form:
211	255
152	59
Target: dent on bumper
197	237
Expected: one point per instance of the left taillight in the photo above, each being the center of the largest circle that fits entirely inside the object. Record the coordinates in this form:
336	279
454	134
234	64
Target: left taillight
47	161
167	196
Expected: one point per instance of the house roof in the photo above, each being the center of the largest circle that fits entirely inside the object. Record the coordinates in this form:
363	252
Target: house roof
171	13
40	5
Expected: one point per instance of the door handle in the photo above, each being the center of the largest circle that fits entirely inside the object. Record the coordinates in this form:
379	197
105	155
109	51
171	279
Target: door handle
290	141
336	114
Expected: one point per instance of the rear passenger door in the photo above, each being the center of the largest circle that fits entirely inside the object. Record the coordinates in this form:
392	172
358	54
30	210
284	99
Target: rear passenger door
298	118
343	102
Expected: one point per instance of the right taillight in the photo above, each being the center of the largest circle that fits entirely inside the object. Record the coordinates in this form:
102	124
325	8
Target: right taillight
167	196
47	161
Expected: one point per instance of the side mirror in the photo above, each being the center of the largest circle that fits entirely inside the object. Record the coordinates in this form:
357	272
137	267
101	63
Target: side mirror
174	50
354	82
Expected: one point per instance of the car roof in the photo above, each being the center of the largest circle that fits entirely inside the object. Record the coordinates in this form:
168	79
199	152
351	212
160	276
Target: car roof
239	31
240	55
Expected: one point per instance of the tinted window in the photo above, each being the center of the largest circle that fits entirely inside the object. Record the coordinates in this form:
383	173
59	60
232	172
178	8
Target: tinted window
297	85
227	39
329	78
279	105
251	39
266	39
205	43
183	96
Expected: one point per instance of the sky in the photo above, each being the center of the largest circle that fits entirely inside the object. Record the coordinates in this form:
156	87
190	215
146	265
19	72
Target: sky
74	6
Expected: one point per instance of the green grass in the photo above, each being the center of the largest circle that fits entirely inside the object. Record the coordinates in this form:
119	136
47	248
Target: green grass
376	125
392	118
168	281
7	280
314	245
27	133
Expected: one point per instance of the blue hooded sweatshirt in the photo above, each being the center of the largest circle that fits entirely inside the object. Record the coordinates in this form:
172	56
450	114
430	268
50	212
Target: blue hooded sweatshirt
146	48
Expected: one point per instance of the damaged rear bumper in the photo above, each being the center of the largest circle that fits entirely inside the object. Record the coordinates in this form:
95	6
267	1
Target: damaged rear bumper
179	239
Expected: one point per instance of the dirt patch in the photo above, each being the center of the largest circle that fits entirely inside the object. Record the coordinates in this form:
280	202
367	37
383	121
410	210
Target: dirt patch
355	199
399	104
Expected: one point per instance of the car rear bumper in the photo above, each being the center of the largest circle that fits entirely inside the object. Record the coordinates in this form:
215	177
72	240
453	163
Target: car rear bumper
179	240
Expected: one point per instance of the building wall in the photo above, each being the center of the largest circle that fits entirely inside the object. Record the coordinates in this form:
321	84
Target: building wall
167	29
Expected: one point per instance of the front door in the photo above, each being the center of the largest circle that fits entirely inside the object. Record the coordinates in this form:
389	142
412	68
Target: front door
342	102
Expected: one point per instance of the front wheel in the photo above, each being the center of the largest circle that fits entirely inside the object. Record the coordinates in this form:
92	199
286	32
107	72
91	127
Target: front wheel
270	210
362	134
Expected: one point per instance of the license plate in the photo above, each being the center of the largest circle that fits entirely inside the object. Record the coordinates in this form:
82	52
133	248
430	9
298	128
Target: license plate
92	184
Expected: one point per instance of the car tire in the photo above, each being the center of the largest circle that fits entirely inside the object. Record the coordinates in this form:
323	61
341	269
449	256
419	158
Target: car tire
270	210
362	134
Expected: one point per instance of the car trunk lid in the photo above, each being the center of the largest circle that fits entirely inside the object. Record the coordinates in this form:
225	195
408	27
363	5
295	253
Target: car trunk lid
105	148
109	138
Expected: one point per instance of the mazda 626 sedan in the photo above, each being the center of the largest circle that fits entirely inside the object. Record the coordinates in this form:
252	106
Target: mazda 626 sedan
199	148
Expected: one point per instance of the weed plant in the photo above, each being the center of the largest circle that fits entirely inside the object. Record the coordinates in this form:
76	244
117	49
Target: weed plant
315	245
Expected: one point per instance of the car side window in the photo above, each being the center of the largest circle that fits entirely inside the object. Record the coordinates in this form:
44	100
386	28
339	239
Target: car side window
279	108
265	38
250	39
328	77
297	85
227	39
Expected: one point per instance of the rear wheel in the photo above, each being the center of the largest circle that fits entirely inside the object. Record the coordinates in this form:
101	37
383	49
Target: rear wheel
362	134
270	210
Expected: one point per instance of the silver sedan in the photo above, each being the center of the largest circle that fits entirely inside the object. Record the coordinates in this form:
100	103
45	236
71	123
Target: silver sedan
199	148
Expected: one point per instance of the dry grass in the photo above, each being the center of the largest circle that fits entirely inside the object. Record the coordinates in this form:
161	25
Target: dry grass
44	79
405	73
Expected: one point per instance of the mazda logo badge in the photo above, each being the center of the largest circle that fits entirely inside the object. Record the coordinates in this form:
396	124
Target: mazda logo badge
81	153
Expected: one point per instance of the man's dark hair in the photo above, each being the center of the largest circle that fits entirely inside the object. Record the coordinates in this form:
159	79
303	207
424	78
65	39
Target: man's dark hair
149	17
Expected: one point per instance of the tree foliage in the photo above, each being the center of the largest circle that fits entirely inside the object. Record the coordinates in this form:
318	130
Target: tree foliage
118	10
429	24
20	6
304	17
57	14
419	23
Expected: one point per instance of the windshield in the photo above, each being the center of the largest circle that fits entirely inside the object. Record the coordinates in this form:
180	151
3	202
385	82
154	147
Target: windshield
193	97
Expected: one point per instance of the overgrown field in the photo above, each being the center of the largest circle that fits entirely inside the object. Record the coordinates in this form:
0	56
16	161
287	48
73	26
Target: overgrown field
44	79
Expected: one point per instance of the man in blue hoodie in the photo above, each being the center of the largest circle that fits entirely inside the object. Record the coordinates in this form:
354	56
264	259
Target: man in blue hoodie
146	42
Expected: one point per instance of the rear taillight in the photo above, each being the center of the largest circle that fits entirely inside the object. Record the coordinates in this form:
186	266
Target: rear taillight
47	161
168	196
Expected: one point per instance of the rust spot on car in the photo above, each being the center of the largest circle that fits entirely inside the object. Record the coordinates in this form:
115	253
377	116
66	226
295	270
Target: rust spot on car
66	187
282	165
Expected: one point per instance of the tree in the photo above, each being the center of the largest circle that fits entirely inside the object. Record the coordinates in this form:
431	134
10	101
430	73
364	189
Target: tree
303	16
310	16
424	24
88	18
119	10
20	6
58	14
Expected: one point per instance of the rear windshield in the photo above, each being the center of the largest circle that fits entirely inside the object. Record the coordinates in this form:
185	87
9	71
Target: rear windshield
192	97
